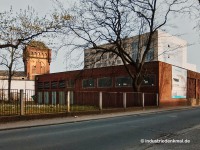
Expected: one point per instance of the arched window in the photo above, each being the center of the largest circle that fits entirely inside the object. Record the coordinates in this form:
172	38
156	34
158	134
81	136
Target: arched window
34	69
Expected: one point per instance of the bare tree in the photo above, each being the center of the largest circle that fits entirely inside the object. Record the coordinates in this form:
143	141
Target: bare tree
104	26
18	29
10	59
194	15
27	25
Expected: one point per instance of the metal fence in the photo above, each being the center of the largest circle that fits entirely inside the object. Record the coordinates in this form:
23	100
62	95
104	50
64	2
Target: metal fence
81	101
9	106
28	102
109	100
33	106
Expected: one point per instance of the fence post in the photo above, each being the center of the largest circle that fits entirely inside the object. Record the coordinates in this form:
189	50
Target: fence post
100	101
21	102
157	101
124	100
143	100
68	101
2	95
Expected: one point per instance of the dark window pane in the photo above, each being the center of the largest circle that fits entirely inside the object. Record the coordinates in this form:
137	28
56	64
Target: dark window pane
40	85
46	85
123	82
150	55
88	83
54	84
70	83
105	82
149	80
62	84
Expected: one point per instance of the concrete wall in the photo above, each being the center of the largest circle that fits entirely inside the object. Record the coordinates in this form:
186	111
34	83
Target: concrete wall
18	84
173	50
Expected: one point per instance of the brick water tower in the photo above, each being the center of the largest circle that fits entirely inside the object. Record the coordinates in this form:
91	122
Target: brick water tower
37	59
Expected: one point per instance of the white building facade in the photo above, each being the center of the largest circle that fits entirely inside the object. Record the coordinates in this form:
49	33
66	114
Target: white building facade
18	84
165	48
173	50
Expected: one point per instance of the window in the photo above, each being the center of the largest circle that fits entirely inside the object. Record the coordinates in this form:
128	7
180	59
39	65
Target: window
46	85
62	98
105	82
39	97
53	98
46	97
104	56
62	84
119	62
104	64
87	60
70	83
88	83
123	82
40	85
125	45
34	69
98	57
149	80
93	52
135	46
87	54
134	50
150	55
111	55
134	55
98	65
54	84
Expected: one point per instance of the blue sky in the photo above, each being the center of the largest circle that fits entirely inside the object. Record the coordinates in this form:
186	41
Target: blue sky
183	27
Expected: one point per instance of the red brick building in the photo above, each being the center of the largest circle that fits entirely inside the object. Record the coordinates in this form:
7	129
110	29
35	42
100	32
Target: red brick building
37	59
52	88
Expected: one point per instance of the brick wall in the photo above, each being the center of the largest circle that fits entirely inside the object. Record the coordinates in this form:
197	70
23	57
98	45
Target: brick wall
163	82
115	71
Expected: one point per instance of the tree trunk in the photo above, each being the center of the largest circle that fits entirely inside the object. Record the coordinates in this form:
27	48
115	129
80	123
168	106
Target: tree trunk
9	88
136	86
9	83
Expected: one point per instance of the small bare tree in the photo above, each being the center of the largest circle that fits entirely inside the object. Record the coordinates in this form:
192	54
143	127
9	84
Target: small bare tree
10	59
104	26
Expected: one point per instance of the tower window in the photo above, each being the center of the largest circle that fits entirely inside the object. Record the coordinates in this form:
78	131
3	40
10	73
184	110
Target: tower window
34	69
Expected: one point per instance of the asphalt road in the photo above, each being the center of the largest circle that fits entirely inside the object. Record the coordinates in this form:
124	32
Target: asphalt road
119	133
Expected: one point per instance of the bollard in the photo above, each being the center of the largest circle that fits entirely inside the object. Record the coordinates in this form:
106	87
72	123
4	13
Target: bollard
124	100
68	101
100	101
143	100
157	101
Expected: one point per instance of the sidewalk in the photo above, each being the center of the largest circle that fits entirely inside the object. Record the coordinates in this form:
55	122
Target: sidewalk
62	120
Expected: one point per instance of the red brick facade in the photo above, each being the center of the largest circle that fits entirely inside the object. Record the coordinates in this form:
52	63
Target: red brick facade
115	71
161	72
36	61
